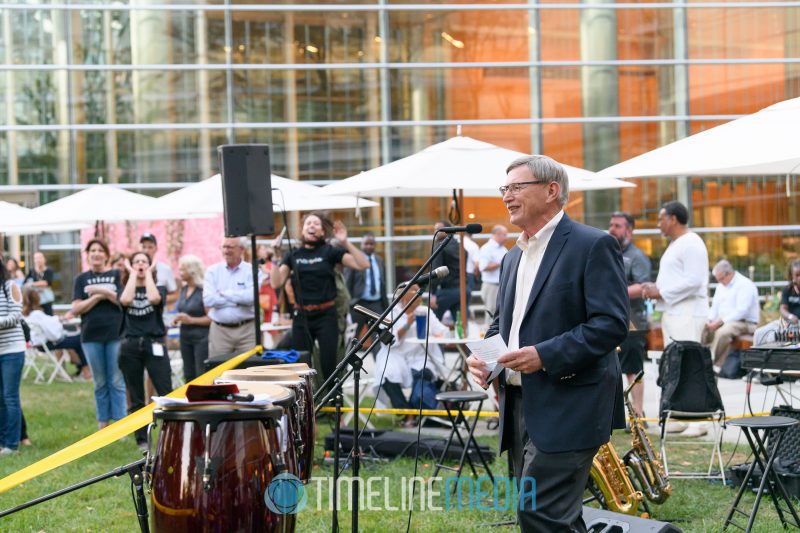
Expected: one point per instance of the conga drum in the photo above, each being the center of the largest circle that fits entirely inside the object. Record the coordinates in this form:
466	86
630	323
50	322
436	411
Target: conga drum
304	371
213	463
286	399
305	407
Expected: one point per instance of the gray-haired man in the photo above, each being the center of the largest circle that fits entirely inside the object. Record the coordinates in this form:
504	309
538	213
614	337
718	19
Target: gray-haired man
228	296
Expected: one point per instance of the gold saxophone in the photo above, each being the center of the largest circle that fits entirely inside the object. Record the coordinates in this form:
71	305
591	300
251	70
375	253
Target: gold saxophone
643	460
611	478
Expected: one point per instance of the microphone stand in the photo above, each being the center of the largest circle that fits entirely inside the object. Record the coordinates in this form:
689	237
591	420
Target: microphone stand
351	366
136	472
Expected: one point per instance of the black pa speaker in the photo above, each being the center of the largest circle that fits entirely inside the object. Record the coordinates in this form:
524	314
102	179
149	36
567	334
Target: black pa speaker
246	189
598	520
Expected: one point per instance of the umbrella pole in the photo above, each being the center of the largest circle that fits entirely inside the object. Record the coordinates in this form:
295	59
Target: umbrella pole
462	271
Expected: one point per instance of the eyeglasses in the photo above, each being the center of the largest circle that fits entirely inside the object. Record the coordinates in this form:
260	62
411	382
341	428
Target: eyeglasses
516	187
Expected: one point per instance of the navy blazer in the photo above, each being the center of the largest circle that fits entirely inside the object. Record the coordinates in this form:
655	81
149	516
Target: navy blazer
576	316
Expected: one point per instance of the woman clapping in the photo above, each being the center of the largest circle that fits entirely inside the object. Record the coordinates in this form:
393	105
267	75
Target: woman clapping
143	334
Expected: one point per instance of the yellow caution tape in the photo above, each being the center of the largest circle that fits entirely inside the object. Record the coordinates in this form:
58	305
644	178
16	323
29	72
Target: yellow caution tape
115	431
442	412
144	416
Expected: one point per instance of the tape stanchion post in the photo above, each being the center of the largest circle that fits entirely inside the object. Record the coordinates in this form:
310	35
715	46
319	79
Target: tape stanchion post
115	431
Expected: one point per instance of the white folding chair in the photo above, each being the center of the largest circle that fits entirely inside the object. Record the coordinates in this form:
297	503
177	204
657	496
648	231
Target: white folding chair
49	356
32	364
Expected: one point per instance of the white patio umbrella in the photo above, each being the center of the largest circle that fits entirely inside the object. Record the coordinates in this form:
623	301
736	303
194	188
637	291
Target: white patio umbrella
18	220
476	167
204	199
471	167
758	144
104	203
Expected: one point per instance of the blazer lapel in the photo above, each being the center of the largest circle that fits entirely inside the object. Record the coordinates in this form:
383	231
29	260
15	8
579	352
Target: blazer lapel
549	259
510	284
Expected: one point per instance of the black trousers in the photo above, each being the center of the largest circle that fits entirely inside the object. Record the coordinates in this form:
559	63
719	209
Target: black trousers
560	479
194	352
321	327
136	355
396	396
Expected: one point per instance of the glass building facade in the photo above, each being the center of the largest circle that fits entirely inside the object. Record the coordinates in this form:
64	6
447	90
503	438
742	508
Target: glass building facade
144	91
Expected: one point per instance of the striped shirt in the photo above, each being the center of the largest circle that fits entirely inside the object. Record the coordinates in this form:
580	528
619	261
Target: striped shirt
12	339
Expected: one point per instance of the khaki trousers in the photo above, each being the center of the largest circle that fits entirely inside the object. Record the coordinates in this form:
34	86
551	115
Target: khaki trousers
719	341
230	341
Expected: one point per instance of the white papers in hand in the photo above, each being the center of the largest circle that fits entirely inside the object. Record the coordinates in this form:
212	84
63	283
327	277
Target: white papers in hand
488	350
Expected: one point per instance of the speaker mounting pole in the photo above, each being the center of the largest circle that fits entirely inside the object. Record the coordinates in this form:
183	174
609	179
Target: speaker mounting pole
256	287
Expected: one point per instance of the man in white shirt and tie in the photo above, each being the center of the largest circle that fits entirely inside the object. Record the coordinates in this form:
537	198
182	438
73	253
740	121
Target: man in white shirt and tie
228	296
490	259
734	311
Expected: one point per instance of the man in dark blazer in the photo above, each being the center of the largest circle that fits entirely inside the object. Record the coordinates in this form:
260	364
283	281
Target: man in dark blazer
367	287
562	309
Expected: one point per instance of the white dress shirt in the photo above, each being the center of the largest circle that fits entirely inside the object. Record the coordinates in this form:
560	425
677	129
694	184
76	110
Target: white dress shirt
683	277
533	249
228	292
471	251
738	301
491	252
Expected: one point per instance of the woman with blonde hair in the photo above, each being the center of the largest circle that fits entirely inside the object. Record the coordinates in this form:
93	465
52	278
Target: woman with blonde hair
192	317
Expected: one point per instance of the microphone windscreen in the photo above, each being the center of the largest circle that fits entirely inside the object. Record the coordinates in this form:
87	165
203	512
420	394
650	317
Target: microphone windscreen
474	228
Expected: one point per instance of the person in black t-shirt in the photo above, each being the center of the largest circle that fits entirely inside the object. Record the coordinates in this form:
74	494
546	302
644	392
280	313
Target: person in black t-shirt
94	299
41	276
143	334
314	284
789	309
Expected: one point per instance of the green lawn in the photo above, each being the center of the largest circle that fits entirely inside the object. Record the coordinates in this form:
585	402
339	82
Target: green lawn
61	414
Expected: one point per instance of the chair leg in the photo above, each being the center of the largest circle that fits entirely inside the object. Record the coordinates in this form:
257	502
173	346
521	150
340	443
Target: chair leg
464	446
664	443
440	463
472	442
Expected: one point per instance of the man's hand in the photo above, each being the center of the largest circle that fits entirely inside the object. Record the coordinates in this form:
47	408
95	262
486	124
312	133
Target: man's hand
525	360
714	325
478	369
650	290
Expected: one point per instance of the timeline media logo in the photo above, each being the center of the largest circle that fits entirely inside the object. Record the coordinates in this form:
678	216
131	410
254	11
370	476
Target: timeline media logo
286	494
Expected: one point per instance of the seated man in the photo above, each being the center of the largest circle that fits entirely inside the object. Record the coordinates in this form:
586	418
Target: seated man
400	365
734	311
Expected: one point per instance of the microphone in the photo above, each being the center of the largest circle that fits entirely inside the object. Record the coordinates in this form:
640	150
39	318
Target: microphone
469	228
438	273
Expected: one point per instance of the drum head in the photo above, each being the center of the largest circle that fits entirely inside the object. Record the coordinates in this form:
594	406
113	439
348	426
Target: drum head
301	368
261	373
214	413
276	393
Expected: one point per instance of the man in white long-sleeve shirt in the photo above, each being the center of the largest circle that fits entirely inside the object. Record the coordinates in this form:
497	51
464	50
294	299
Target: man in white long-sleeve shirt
734	310
228	297
682	282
